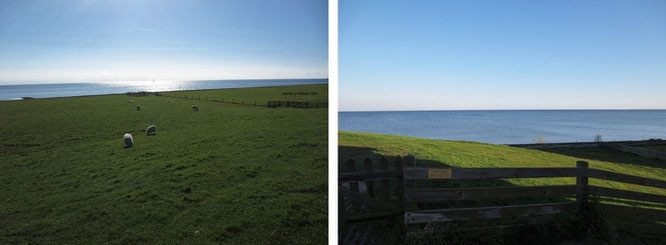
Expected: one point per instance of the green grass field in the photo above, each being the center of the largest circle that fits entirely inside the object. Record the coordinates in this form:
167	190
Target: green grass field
433	153
225	174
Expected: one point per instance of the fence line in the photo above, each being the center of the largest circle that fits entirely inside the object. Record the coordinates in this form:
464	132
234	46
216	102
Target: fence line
377	192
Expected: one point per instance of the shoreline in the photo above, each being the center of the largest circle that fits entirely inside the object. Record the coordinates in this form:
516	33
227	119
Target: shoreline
166	91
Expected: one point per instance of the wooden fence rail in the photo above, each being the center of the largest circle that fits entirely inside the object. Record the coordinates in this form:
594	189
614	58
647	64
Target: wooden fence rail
377	192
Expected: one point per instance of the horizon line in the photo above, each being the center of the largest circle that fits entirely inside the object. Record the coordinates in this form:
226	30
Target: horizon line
563	109
161	80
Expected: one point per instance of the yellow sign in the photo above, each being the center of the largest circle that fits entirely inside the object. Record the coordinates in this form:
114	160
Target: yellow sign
439	173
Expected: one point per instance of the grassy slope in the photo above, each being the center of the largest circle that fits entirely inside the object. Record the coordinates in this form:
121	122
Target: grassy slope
262	95
655	147
470	154
226	174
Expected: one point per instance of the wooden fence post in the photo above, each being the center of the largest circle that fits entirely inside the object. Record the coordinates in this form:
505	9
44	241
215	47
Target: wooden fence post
367	167
353	186
581	181
409	185
386	192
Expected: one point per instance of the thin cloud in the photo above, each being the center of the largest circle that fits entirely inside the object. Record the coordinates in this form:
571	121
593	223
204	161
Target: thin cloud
144	29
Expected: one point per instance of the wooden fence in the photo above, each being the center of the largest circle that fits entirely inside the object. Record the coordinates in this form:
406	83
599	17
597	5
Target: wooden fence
376	192
298	104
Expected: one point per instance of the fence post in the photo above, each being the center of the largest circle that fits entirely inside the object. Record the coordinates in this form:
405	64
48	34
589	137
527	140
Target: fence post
367	167
409	185
353	186
581	181
386	192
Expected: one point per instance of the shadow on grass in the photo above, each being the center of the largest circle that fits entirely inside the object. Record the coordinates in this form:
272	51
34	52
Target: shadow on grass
607	155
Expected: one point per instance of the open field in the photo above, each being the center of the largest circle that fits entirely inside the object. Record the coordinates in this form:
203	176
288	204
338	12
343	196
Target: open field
430	153
225	174
314	93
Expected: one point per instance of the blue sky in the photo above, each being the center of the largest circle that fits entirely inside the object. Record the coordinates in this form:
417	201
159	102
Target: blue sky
111	40
568	54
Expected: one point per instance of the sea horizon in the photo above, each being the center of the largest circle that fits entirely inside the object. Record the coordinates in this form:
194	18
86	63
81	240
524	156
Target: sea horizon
512	126
58	90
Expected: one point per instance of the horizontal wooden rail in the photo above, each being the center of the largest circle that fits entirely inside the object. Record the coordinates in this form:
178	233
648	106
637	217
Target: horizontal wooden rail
489	173
625	178
360	176
374	203
441	215
369	217
479	193
632	195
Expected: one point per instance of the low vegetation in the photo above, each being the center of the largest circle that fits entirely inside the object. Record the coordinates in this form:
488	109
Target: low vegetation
225	174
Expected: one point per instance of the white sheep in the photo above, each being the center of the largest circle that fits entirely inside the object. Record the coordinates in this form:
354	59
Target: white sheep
129	141
131	101
138	107
195	108
151	130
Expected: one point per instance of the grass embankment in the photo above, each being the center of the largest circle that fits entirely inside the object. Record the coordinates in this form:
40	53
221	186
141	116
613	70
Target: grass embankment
433	153
655	147
313	93
225	174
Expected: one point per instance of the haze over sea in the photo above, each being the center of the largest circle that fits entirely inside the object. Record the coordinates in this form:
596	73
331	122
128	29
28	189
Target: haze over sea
512	126
16	92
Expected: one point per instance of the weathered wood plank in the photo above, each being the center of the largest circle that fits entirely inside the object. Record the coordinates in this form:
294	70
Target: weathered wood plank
360	176
632	195
443	215
581	181
384	184
625	178
409	185
495	173
370	216
367	166
479	193
373	203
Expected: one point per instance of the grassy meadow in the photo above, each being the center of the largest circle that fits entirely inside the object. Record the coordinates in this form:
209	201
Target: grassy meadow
442	153
225	174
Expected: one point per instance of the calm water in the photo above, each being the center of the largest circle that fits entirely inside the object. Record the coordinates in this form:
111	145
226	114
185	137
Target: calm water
15	92
512	127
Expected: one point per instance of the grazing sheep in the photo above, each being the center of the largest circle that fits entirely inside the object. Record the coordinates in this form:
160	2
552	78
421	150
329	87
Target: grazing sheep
138	107
131	101
168	101
151	130
195	108
129	141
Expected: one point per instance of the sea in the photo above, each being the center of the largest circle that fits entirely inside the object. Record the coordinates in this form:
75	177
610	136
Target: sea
512	126
17	92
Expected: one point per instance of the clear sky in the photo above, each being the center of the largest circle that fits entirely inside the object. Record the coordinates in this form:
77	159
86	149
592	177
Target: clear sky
110	40
565	54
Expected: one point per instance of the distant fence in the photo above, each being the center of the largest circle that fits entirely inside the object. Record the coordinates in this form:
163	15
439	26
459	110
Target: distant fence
377	192
271	104
298	104
143	93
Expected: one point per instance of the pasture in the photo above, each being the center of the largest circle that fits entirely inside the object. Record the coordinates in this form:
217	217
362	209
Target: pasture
225	174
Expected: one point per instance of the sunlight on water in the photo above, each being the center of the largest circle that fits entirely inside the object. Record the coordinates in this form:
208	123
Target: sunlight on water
13	92
151	86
